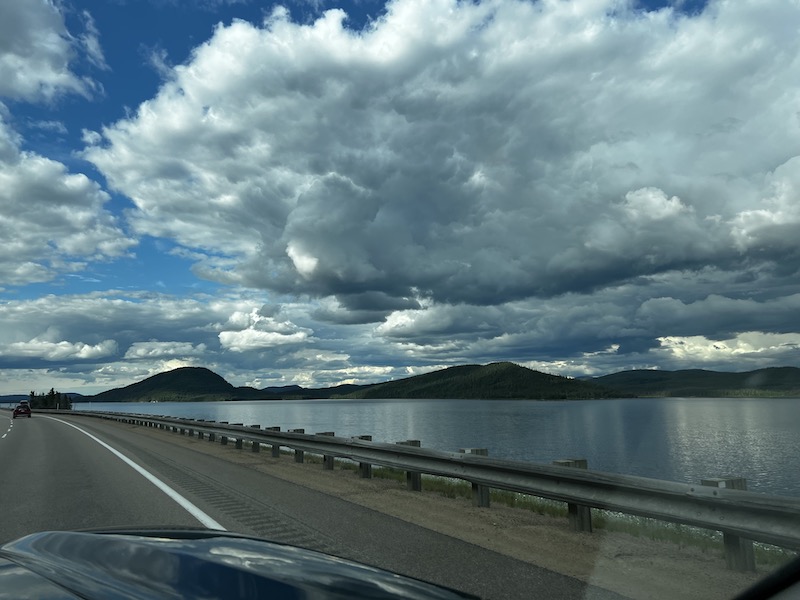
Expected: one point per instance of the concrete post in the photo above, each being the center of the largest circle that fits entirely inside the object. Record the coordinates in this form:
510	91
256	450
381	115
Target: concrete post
365	469
739	554
237	440
480	493
413	478
327	461
256	444
299	455
275	449
580	517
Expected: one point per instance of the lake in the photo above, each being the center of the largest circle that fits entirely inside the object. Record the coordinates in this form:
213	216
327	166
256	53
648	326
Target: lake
677	439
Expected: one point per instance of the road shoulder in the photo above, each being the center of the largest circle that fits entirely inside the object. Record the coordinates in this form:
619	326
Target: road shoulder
632	566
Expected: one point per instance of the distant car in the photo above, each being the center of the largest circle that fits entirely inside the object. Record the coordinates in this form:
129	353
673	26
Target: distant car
22	409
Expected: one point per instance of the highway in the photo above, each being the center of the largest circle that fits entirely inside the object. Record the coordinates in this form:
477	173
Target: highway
67	472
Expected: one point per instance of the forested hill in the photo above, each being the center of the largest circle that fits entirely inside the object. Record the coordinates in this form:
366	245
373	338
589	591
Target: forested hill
493	381
775	382
497	380
179	385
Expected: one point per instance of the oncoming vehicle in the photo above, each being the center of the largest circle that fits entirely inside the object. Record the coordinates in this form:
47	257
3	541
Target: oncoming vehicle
22	409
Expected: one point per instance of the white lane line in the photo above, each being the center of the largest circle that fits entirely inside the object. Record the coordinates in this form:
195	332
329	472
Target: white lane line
198	514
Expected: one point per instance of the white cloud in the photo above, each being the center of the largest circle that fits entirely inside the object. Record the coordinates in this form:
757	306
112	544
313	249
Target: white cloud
574	185
90	137
304	263
474	152
256	331
61	351
156	349
652	204
90	40
254	339
36	50
52	126
761	349
53	221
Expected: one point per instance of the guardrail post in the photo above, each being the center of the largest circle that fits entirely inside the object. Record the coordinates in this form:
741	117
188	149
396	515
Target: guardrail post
212	436
275	448
413	478
299	455
480	493
580	516
365	469
256	444
739	554
238	440
327	461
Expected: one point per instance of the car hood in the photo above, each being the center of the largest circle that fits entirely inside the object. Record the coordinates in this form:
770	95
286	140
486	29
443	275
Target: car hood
181	564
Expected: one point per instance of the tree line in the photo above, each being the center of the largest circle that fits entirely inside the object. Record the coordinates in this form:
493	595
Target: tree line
51	399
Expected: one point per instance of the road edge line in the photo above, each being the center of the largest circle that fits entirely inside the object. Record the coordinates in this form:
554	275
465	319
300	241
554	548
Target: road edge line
197	513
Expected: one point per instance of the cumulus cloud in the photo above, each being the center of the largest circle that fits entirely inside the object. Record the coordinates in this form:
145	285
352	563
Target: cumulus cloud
87	335
471	152
254	339
36	50
256	331
576	186
60	351
53	221
759	349
155	349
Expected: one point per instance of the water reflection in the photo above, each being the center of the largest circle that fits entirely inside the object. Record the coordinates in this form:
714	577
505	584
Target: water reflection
678	439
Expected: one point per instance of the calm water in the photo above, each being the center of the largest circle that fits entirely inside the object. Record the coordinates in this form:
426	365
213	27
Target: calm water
678	439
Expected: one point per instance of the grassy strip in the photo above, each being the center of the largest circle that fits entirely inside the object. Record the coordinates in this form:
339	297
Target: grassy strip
681	535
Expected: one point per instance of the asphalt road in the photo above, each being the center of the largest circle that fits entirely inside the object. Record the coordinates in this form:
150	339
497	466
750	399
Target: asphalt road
54	476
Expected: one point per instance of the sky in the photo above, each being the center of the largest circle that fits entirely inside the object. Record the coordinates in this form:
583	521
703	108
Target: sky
322	192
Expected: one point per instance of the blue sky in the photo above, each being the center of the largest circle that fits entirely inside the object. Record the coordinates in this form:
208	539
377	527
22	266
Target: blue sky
317	193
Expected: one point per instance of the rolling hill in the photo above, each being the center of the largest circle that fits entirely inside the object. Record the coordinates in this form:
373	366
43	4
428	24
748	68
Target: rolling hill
492	381
775	381
496	380
179	385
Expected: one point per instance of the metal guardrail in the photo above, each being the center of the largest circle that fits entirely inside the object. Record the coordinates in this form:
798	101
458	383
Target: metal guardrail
754	516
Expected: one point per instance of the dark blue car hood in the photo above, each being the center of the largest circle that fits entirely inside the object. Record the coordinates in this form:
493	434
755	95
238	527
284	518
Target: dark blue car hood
189	564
